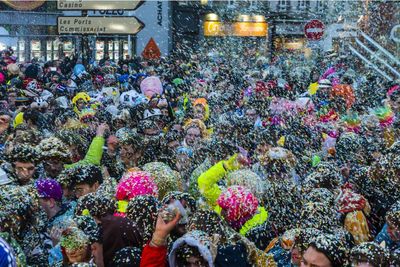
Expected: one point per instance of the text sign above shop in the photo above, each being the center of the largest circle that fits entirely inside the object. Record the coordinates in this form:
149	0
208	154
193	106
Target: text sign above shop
242	29
98	4
99	25
314	29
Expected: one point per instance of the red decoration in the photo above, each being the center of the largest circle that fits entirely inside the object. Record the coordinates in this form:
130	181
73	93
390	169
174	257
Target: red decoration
314	29
151	51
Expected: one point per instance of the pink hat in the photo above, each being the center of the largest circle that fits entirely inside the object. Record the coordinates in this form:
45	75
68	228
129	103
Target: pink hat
134	184
2	77
151	86
238	202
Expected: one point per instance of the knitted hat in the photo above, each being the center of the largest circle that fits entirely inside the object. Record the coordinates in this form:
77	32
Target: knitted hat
331	246
150	86
249	180
73	239
317	215
371	253
134	184
167	180
49	188
322	195
89	226
238	202
53	147
13	69
196	239
24	153
95	204
88	174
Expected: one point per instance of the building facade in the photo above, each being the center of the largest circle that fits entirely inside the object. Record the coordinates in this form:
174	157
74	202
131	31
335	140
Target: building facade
31	31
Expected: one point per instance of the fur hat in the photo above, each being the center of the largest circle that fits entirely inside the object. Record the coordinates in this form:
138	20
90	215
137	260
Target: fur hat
196	239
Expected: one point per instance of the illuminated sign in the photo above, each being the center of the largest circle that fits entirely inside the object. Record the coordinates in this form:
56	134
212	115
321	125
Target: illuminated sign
213	28
241	29
258	29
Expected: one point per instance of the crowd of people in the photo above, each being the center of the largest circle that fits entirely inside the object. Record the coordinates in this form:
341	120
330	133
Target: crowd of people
206	157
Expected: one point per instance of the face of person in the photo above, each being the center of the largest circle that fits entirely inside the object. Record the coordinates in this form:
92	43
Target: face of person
195	262
24	171
296	256
97	252
251	114
173	145
4	122
46	204
151	131
313	258
395	104
53	167
193	135
199	112
393	231
128	154
11	99
182	162
80	104
84	189
75	156
77	255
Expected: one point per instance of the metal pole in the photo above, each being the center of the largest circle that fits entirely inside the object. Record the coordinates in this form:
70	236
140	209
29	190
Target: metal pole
84	44
129	46
129	40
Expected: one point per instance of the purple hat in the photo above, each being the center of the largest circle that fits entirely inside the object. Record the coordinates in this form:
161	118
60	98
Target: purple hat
49	188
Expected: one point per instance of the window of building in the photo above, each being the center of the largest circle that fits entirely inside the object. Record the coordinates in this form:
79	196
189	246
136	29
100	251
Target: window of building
301	5
283	5
319	6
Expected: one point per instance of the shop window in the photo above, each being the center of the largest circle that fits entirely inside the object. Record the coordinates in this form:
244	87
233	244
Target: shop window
68	48
125	48
21	51
35	49
99	50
